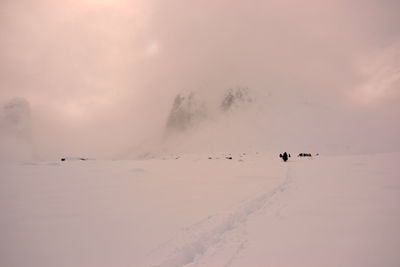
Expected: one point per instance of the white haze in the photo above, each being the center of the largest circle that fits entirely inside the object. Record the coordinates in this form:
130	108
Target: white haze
98	78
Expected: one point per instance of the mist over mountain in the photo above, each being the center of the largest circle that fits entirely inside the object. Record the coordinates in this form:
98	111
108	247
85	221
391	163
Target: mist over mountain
109	79
189	111
15	130
186	112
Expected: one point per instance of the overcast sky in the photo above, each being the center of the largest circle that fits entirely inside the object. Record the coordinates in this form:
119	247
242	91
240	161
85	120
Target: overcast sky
98	77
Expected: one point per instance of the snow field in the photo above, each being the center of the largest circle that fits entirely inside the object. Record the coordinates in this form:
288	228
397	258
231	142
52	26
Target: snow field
253	210
116	213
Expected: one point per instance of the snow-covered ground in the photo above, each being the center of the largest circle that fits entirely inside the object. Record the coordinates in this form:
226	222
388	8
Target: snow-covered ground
189	210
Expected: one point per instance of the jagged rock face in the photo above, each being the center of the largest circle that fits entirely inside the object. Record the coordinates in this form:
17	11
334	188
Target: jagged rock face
234	98
186	111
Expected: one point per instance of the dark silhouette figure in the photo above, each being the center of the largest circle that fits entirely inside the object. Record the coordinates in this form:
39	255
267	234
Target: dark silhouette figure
285	156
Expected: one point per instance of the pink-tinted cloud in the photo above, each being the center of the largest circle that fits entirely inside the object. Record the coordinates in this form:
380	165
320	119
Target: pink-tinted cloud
100	76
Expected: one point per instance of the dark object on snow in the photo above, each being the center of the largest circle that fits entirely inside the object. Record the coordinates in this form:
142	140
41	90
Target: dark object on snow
285	156
305	155
64	159
228	157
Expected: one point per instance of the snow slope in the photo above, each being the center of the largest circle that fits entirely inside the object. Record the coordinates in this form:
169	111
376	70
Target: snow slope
253	210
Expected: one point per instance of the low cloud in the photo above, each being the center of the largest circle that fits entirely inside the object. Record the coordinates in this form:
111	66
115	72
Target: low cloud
101	77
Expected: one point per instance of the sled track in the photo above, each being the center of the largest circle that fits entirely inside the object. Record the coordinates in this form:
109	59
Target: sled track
209	235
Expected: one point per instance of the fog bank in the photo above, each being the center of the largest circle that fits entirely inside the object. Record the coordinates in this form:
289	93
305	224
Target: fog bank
101	78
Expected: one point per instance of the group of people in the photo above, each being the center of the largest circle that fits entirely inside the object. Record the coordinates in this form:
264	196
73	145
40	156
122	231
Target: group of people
285	156
305	155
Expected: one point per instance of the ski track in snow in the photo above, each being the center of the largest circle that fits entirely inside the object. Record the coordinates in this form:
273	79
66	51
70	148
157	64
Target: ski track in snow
208	236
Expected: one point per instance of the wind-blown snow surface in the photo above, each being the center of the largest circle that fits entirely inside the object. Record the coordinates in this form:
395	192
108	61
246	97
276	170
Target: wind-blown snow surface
253	210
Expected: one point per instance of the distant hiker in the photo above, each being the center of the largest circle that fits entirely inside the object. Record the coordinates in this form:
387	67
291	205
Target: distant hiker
285	156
